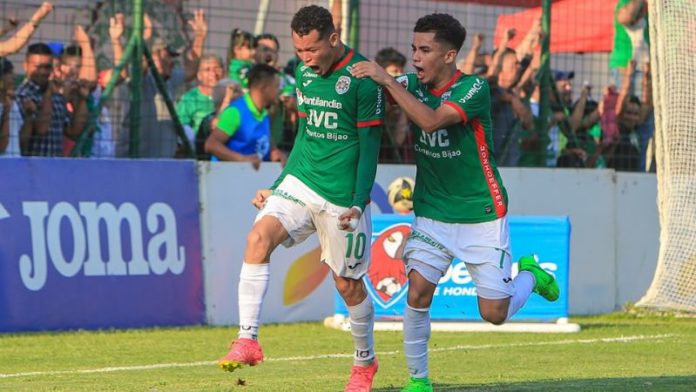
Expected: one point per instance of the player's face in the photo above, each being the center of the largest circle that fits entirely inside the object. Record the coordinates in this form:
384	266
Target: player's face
431	59
316	52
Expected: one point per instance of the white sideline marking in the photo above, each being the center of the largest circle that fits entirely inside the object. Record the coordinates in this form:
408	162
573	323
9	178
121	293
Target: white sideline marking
620	339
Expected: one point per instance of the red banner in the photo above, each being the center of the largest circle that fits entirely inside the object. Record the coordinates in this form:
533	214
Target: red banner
576	26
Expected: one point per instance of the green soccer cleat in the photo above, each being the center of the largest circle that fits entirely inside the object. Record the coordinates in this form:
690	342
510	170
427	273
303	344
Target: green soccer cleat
418	385
546	284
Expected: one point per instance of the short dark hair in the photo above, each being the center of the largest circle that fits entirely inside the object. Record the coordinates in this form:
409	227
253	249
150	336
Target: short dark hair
72	51
312	17
39	48
389	56
268	36
447	29
260	73
6	66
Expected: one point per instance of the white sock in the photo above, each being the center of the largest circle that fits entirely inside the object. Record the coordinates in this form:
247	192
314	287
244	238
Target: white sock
524	284
253	284
416	337
362	323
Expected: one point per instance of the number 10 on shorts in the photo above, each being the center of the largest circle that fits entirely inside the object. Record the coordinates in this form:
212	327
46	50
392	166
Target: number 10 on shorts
356	245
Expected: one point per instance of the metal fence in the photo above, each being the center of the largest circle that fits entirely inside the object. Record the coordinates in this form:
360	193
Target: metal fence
614	129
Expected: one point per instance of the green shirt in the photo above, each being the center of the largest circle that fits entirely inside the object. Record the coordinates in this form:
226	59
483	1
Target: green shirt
622	52
193	107
457	179
337	145
238	71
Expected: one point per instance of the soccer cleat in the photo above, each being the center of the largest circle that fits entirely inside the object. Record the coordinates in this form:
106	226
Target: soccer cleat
361	377
546	284
418	385
243	352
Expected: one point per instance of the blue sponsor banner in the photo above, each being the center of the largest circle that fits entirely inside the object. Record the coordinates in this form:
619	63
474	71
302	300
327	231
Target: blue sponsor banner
99	244
455	296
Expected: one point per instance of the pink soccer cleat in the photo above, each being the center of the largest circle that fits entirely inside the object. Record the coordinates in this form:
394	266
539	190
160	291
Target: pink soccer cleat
361	377
243	352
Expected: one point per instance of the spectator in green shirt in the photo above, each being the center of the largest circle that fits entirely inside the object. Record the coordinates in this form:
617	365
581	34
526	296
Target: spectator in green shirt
240	56
197	103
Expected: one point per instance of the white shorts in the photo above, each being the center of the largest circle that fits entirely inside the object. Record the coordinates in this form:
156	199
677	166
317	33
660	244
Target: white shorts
484	247
302	212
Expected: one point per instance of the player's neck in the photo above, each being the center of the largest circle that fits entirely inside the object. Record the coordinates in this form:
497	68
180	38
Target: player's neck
443	78
338	53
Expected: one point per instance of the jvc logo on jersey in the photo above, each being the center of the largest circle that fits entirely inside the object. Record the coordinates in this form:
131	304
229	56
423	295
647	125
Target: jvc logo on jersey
320	118
439	138
307	83
50	228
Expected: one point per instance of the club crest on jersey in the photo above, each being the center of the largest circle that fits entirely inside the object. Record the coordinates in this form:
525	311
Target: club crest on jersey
403	80
446	96
343	84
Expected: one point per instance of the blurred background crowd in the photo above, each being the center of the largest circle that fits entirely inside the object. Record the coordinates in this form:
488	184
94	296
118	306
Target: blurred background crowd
212	89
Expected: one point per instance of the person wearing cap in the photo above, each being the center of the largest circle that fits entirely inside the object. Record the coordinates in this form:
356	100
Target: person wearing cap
564	86
157	137
197	103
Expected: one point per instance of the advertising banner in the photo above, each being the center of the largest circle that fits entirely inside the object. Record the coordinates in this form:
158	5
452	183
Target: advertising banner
99	244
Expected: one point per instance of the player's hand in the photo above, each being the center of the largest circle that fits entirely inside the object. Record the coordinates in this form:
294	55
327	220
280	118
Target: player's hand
348	220
260	199
370	69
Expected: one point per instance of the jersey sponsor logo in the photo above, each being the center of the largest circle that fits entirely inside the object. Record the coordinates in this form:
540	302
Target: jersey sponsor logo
307	83
304	67
439	138
309	75
403	80
314	101
476	87
343	84
320	118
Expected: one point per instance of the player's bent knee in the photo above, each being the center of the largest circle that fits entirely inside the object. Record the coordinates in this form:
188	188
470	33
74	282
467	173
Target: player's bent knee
494	317
259	242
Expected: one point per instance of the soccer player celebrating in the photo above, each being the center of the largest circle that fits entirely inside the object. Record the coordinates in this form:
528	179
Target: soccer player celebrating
324	187
460	202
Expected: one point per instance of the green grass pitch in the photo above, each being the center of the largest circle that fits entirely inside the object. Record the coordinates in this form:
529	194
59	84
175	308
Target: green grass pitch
617	352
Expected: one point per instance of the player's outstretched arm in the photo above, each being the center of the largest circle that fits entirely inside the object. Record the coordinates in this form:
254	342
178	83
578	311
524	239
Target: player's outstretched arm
426	118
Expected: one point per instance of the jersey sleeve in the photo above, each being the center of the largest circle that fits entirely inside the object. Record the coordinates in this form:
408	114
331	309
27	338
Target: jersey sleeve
471	100
370	104
229	121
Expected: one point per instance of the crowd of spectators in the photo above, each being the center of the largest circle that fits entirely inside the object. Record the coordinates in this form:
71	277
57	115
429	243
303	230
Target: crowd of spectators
243	108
